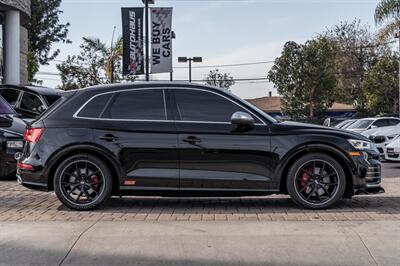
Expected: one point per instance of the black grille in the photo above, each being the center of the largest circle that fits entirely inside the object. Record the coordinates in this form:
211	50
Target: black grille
378	139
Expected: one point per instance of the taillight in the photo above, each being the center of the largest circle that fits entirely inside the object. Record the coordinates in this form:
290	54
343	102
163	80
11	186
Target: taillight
33	135
25	166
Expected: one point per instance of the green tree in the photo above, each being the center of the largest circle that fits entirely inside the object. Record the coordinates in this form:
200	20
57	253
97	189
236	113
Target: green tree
388	11
96	64
44	29
305	76
218	79
381	86
356	52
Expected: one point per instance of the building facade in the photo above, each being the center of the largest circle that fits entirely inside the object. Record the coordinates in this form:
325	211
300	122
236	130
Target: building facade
14	16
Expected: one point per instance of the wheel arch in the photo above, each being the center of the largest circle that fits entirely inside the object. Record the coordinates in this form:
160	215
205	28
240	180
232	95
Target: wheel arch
91	149
328	149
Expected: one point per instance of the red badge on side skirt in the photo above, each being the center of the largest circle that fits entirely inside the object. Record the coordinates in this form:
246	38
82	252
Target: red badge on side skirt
130	182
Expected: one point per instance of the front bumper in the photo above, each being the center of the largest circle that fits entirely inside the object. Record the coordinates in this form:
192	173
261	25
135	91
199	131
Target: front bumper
368	175
392	154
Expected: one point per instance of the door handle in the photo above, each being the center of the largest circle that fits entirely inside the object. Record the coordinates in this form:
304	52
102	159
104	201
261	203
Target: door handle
192	140
108	137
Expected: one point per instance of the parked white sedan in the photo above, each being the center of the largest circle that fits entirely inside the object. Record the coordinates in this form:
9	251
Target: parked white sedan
382	136
392	152
364	124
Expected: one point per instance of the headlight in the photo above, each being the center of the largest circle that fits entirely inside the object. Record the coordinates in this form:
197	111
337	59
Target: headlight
360	144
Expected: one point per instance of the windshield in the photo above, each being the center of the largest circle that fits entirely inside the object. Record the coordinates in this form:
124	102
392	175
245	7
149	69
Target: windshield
5	108
343	123
363	123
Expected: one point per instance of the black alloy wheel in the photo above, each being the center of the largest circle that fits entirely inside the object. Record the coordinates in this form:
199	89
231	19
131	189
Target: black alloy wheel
316	181
82	182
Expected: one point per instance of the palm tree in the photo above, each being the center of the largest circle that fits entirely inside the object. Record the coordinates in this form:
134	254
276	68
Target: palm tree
112	55
387	13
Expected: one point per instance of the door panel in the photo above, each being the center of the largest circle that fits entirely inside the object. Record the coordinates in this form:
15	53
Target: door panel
144	142
223	158
149	158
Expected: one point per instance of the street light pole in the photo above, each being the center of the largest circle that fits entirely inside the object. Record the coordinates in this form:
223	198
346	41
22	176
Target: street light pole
146	19
186	59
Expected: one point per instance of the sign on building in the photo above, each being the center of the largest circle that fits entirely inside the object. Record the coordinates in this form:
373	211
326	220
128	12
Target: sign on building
161	40
132	31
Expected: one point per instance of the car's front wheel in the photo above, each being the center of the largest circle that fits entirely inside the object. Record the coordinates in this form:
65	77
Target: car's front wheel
316	181
82	182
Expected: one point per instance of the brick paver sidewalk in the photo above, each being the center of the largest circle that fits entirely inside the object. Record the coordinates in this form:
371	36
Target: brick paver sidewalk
21	204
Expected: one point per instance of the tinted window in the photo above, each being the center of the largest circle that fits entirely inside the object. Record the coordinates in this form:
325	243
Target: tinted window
381	123
5	108
138	105
51	99
10	95
95	107
393	122
197	105
31	102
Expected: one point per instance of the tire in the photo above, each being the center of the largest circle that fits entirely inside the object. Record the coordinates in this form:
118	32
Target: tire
316	181
83	176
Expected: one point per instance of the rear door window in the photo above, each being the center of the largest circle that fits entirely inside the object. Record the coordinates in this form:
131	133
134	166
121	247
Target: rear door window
139	104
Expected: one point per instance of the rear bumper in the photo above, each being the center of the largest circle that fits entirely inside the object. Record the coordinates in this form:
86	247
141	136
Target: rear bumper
32	180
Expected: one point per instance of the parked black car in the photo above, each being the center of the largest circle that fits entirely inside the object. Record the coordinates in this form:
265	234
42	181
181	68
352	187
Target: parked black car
11	138
174	139
29	101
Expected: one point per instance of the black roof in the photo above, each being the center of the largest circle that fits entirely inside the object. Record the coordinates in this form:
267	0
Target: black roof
35	89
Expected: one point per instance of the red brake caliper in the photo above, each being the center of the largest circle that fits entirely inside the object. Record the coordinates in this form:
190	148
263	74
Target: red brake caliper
95	180
305	177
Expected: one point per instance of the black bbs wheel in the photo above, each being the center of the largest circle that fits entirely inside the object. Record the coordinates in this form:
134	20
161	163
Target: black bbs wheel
82	182
316	181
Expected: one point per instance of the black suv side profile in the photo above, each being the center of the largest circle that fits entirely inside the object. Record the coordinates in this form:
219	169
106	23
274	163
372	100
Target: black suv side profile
178	139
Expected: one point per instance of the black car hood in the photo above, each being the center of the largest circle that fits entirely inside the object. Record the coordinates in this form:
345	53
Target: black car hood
17	126
301	128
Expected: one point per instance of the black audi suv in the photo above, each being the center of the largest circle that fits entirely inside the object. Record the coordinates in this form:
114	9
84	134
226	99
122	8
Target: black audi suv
178	139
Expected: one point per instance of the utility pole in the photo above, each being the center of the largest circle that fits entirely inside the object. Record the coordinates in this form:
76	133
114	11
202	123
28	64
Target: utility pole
398	37
146	26
186	59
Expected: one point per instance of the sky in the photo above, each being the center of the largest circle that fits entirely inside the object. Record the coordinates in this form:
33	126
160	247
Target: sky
223	32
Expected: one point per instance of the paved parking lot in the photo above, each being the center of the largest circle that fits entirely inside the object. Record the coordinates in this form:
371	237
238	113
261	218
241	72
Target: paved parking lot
21	204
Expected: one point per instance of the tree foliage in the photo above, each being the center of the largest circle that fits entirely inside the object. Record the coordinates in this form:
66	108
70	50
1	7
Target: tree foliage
388	11
381	86
218	79
96	64
305	76
44	29
357	52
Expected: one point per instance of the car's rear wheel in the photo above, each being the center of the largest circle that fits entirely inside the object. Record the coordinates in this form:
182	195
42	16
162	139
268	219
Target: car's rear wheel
316	181
82	182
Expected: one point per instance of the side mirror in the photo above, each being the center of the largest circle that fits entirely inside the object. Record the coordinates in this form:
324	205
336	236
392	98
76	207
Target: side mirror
242	119
372	126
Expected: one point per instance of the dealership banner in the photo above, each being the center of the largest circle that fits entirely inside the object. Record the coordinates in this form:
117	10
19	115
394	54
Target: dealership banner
132	34
161	40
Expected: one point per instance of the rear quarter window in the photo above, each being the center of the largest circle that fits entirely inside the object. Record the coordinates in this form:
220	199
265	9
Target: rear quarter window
95	107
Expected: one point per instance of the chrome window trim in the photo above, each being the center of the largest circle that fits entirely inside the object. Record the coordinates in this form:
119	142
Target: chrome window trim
165	107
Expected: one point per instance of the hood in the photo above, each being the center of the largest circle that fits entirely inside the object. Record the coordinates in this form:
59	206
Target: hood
382	131
296	127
